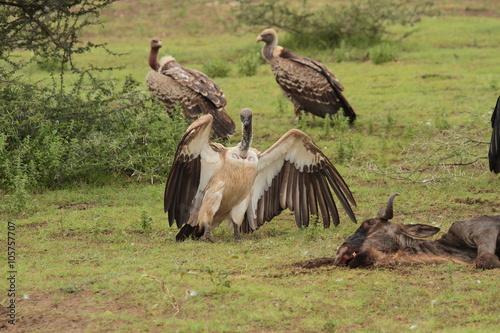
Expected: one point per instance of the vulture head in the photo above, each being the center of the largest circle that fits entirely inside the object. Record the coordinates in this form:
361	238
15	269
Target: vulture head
268	36
153	54
246	135
155	43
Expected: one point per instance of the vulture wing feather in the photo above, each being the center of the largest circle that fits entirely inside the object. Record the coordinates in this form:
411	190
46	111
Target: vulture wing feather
206	86
185	178
311	84
213	101
494	152
296	166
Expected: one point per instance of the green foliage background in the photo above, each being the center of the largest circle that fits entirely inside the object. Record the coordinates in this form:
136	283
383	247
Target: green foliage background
56	132
52	138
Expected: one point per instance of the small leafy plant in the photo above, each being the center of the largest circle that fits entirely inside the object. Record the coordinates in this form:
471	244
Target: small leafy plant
146	222
216	68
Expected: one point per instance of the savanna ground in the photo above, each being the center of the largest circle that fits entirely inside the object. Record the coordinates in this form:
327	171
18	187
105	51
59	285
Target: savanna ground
103	258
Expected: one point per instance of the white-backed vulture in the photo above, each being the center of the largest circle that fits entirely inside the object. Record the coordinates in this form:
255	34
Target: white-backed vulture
209	183
309	85
494	152
195	92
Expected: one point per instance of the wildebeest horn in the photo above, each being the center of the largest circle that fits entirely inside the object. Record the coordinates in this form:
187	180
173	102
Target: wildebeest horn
387	213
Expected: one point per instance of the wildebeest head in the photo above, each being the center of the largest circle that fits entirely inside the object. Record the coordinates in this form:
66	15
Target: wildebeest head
379	235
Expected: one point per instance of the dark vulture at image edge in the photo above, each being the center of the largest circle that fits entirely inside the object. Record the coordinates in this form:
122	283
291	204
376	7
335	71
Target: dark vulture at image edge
309	85
494	152
195	92
209	183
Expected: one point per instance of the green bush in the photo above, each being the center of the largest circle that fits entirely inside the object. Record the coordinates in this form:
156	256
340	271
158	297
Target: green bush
248	65
49	138
348	53
382	53
360	23
52	134
216	68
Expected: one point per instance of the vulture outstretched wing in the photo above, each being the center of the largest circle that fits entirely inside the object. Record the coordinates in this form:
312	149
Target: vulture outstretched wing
186	177
311	85
294	173
494	152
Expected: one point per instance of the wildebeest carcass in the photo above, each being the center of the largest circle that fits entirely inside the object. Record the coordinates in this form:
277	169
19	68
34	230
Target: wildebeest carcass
473	240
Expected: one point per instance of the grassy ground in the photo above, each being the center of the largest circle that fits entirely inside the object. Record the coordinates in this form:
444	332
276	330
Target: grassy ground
100	259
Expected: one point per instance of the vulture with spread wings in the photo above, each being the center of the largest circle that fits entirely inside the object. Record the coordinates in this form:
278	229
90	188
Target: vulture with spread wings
192	90
309	85
494	153
209	183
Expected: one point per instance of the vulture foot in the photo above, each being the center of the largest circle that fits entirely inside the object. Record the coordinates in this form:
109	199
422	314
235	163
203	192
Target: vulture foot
207	237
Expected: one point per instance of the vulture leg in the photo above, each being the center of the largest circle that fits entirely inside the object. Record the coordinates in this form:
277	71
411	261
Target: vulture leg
207	236
209	207
298	112
237	235
237	215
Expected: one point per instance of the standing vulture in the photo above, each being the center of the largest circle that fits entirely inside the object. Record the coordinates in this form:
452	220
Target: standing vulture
195	92
308	84
209	183
494	153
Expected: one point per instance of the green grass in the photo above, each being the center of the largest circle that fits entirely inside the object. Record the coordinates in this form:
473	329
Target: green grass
100	259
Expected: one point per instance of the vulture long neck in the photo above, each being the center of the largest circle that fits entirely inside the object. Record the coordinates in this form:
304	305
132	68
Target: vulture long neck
246	135
268	49
153	58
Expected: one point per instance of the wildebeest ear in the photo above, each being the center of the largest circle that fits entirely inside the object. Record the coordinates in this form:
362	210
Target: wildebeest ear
419	230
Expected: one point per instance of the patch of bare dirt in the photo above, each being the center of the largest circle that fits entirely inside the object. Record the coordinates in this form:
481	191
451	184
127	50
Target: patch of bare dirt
36	225
475	201
76	206
65	312
471	11
315	263
440	76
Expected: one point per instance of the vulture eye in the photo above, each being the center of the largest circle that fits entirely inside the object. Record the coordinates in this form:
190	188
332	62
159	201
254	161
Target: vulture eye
235	156
251	159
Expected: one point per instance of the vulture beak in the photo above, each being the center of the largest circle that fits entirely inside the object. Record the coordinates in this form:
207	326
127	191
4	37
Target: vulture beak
246	121
259	39
246	117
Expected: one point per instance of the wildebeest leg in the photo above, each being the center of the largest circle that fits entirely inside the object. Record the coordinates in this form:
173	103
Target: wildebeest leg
487	261
486	258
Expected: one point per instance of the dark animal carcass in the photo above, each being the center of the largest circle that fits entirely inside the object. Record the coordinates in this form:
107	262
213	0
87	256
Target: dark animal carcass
473	240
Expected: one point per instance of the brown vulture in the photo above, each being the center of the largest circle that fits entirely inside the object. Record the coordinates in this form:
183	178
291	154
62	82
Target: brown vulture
209	183
494	153
195	92
309	85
